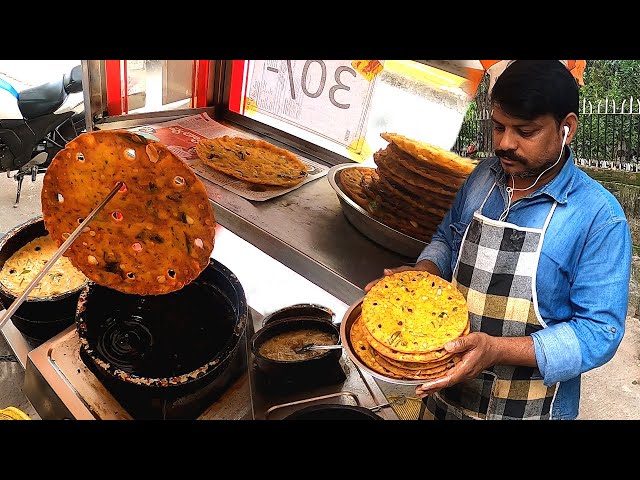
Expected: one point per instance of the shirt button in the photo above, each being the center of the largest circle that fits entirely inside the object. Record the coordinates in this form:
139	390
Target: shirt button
613	329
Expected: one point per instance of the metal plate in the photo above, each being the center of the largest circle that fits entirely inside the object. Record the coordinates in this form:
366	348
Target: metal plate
348	320
370	227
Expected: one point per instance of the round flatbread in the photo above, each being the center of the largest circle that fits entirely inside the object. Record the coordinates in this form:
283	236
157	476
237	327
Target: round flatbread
420	365
411	180
251	160
153	237
363	350
414	311
431	156
406	374
352	180
387	352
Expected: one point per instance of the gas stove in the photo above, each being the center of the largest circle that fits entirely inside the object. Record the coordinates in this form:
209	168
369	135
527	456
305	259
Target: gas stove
60	385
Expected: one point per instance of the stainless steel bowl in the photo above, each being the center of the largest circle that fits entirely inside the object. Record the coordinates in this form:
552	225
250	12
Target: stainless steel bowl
370	227
350	316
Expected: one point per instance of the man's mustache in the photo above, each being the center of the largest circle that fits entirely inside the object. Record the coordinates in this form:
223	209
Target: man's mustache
511	155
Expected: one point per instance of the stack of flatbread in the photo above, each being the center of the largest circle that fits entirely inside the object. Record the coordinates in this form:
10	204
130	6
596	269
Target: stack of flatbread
412	187
406	319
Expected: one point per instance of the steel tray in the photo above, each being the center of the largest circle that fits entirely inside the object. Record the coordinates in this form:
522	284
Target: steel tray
370	227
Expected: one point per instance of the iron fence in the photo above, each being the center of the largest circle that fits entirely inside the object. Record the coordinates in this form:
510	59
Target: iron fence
608	134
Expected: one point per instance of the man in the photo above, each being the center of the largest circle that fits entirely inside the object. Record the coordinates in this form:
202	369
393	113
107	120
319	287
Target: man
541	252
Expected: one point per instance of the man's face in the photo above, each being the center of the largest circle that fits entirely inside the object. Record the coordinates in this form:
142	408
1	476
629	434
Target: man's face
525	147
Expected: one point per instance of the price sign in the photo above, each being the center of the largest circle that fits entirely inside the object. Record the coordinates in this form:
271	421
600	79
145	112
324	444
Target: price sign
330	98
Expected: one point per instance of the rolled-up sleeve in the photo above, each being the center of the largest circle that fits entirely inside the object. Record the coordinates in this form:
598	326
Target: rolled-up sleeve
599	299
557	352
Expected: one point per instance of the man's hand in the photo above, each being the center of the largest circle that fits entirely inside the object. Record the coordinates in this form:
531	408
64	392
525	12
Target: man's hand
479	352
423	265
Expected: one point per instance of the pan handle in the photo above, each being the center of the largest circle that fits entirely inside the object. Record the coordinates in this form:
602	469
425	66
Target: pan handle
313	399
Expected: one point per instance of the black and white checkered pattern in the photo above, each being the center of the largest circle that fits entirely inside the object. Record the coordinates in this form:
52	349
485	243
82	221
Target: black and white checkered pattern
495	273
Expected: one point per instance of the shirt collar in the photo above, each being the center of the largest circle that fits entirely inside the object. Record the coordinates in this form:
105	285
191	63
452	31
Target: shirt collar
558	188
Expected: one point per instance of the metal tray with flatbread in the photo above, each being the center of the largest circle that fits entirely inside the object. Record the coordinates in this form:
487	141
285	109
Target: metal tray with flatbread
370	227
348	320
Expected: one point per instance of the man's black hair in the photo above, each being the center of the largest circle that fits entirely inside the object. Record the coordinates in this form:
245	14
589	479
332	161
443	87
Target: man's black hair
527	89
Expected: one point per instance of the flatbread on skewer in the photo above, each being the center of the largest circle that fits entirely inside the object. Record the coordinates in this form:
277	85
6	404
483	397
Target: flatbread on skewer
153	237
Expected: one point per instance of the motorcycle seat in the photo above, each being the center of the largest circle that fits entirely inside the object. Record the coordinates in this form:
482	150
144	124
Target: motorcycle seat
41	100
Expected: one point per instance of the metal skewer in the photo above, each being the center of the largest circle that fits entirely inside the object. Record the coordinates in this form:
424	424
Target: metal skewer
63	248
311	346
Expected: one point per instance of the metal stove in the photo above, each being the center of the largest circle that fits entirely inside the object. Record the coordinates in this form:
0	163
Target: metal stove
60	385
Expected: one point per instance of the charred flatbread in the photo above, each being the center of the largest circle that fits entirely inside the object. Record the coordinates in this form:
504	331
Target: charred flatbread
252	160
153	237
414	311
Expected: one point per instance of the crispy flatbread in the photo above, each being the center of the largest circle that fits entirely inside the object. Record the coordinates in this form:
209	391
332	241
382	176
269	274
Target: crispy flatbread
438	158
427	374
362	349
423	366
411	180
387	352
153	237
374	193
424	170
352	179
414	311
399	192
25	264
252	160
409	227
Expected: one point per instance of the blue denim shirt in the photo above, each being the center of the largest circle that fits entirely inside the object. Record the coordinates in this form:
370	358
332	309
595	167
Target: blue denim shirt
582	282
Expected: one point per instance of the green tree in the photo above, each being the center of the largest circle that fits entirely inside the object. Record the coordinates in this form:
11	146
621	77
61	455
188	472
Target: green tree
614	79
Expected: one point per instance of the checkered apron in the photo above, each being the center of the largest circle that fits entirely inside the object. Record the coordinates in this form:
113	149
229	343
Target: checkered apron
496	272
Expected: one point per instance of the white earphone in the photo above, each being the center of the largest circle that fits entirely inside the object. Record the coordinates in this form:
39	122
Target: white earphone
511	189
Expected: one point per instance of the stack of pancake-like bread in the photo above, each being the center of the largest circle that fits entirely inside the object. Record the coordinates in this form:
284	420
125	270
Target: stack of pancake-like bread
405	321
412	187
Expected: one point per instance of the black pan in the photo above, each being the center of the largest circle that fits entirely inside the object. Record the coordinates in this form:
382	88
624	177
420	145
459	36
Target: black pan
43	317
296	317
164	345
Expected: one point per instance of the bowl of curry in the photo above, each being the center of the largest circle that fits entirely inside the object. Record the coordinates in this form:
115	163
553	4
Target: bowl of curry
276	346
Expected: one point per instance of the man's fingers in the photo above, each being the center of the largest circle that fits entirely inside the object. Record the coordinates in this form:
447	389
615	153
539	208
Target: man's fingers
433	386
457	345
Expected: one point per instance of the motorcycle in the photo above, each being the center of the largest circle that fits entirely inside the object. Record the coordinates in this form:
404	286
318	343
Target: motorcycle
41	121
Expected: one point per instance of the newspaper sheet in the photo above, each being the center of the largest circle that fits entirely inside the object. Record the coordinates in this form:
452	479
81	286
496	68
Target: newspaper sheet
181	137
